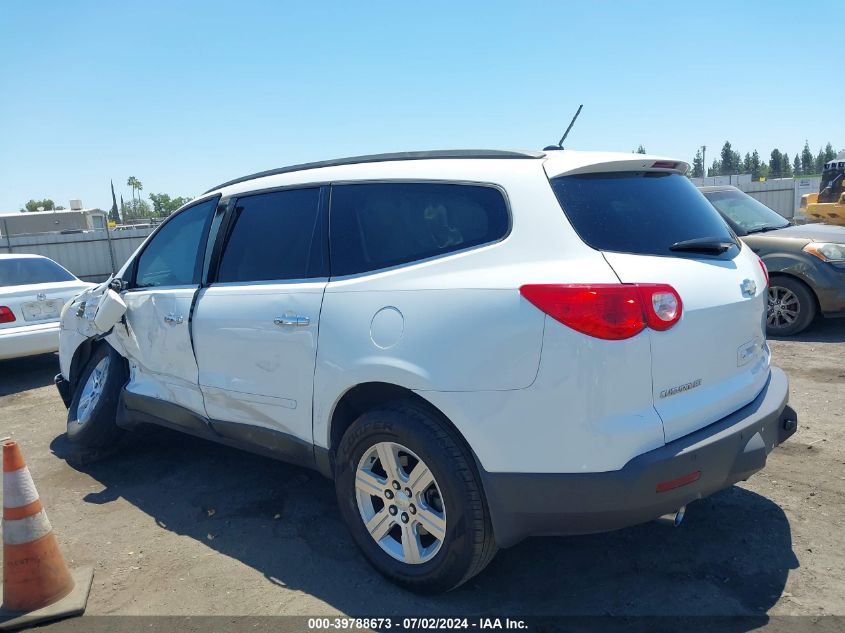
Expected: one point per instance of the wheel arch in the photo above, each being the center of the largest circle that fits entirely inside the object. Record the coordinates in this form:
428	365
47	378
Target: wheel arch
786	275
364	396
80	358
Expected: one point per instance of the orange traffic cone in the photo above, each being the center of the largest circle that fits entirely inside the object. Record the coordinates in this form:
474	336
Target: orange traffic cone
37	585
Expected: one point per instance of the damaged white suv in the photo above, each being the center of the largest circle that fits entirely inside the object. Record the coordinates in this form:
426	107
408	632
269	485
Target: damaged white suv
477	346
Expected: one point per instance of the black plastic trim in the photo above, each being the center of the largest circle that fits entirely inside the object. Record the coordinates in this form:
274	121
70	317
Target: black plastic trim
63	387
725	452
384	158
135	409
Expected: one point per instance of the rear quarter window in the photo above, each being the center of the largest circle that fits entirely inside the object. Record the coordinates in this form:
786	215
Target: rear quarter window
379	225
643	213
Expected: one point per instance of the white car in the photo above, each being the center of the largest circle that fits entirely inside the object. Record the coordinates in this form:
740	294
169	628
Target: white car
477	346
33	291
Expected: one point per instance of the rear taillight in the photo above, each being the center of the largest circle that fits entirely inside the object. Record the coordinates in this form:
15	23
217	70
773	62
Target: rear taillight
765	270
608	311
6	315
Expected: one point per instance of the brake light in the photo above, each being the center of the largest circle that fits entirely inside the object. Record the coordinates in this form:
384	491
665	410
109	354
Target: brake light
608	311
664	164
765	270
6	315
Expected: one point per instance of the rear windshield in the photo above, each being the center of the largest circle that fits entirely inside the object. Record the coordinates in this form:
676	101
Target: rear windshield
644	213
24	271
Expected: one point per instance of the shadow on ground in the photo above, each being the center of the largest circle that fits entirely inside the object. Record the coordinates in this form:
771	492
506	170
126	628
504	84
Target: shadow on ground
31	372
820	331
730	557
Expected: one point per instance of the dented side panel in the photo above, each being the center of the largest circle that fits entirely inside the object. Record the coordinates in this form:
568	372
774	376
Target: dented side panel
155	336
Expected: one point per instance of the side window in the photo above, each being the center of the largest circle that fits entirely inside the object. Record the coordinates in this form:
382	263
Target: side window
276	236
170	258
375	226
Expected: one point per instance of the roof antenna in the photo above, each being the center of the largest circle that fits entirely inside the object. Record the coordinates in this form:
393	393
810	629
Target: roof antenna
565	134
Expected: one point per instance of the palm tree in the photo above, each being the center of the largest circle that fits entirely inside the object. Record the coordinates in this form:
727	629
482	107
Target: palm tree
134	183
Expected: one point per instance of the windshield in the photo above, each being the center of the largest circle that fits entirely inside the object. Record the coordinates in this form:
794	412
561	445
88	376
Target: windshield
644	213
31	270
750	215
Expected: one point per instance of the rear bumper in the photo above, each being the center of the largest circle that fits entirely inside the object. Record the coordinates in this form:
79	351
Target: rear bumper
28	340
727	451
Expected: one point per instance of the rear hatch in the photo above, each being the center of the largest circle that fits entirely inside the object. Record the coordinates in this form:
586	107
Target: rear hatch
653	226
34	290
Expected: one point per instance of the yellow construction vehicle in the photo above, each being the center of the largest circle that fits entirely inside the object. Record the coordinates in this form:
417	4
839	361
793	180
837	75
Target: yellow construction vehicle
828	205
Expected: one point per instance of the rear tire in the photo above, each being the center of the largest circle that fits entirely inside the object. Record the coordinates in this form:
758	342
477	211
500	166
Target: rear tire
437	486
92	412
791	307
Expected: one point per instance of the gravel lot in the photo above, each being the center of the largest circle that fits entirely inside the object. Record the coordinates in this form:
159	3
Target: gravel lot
179	526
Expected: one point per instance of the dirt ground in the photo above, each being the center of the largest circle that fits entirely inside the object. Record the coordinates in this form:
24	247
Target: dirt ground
180	526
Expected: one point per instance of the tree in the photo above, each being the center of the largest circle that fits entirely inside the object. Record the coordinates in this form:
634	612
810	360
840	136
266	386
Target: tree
796	166
755	165
716	169
730	160
46	203
746	163
808	165
829	153
136	210
164	205
698	165
161	204
114	216
776	164
785	166
819	163
764	171
640	150
134	183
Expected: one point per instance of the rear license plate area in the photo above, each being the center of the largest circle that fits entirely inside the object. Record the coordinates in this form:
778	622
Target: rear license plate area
41	310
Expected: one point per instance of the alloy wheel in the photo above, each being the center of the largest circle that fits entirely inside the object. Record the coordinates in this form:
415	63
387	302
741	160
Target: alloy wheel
783	308
92	391
400	503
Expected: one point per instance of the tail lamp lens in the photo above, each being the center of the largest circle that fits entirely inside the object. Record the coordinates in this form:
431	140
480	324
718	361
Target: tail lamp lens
662	305
6	315
607	311
765	270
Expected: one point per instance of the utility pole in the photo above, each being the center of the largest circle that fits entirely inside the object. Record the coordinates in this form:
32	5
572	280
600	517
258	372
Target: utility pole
704	161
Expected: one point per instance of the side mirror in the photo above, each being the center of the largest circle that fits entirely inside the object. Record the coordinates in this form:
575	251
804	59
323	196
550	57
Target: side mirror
110	309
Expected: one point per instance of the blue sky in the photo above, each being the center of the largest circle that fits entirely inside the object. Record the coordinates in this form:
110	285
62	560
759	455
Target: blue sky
186	94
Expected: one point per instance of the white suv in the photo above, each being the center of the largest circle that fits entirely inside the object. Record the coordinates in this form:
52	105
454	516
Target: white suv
477	346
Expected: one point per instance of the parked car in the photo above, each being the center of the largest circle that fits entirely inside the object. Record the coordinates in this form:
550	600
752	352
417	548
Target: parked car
806	263
33	291
476	346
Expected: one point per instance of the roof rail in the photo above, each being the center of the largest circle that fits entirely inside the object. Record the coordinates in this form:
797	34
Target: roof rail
382	158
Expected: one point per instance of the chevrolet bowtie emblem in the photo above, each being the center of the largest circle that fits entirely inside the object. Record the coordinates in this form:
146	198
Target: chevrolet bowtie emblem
749	288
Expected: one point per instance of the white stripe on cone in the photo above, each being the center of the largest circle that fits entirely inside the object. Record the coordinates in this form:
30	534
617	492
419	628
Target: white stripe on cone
18	488
20	531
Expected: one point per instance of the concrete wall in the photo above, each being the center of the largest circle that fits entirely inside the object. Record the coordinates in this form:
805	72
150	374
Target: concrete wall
91	256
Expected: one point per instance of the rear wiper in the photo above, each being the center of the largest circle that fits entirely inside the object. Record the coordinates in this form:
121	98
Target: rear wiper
714	245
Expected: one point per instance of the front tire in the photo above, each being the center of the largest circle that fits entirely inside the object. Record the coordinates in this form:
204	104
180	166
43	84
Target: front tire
410	494
791	307
92	412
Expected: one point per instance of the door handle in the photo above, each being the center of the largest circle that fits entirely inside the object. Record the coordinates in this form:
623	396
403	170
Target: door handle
292	319
174	319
